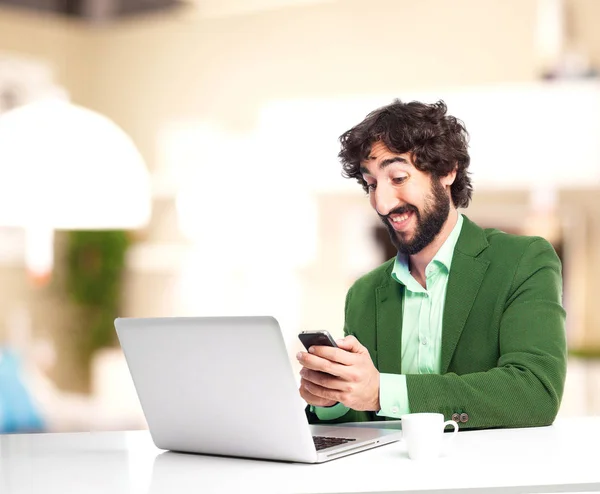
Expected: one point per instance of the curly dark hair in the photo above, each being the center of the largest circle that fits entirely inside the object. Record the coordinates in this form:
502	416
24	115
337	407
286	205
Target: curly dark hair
437	142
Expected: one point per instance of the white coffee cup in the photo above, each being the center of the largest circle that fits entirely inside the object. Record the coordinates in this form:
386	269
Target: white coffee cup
424	434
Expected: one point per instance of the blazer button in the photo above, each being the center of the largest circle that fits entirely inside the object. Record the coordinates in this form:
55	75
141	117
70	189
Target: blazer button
456	417
464	417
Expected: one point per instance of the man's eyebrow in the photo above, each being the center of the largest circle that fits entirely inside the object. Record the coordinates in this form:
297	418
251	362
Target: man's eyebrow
384	163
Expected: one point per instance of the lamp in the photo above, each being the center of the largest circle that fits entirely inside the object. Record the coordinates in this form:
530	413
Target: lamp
65	167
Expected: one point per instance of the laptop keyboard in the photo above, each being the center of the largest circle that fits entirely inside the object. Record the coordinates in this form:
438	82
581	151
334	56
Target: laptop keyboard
322	442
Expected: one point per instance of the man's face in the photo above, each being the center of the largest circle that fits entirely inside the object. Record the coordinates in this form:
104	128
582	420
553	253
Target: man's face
412	205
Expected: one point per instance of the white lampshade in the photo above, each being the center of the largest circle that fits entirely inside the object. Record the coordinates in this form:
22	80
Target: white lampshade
67	167
64	167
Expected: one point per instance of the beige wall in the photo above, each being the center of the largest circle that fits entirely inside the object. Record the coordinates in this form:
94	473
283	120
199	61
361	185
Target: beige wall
61	42
225	69
583	23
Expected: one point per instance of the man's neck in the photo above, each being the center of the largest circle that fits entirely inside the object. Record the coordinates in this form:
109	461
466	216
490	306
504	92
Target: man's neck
419	261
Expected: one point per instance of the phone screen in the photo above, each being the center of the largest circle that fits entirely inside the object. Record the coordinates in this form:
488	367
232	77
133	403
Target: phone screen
321	338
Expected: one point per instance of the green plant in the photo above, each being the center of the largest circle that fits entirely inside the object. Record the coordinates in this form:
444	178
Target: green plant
585	352
95	263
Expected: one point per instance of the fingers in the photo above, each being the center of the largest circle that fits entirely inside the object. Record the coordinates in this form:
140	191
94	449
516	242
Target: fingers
334	354
350	344
346	375
317	363
324	380
306	392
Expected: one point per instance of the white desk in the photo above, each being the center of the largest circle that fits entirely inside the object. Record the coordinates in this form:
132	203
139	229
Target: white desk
563	457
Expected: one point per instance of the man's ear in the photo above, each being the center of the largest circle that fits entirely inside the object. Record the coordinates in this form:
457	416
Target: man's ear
449	179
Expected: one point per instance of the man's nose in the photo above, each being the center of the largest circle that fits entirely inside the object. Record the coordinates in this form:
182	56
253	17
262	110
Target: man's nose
385	200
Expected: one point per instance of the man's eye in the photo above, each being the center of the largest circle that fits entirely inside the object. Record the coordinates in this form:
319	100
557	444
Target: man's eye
371	187
399	180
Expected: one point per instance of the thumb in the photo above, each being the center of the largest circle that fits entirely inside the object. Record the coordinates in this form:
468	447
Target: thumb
350	344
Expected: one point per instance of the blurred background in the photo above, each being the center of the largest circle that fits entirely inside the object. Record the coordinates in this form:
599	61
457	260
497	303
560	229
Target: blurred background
163	158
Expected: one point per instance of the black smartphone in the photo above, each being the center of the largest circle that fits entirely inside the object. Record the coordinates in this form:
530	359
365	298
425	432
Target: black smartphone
310	338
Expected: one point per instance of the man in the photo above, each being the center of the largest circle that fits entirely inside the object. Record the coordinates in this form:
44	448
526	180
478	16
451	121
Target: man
464	321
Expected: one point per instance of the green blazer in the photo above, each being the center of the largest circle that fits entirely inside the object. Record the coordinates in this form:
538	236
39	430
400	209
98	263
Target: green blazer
503	337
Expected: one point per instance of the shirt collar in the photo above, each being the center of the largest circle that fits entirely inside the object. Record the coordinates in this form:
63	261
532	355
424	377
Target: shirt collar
441	260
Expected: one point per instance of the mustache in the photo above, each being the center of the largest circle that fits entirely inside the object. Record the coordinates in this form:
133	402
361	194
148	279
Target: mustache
399	210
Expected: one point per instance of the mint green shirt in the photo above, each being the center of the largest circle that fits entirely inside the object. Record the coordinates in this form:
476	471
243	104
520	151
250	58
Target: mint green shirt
421	330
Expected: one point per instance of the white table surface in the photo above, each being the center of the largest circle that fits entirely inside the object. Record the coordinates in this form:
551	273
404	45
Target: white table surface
559	458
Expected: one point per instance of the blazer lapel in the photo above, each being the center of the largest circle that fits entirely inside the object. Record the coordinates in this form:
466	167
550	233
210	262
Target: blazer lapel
466	276
389	327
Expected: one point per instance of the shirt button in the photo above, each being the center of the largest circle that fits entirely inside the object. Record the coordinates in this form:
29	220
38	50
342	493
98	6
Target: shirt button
424	341
394	409
464	417
456	417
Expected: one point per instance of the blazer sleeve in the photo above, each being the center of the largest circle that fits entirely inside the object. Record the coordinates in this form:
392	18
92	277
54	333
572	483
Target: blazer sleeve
525	388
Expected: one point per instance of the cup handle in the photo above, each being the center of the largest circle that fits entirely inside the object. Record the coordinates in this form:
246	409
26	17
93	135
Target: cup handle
453	424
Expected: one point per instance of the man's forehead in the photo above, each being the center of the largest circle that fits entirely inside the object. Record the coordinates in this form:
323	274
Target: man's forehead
378	150
381	156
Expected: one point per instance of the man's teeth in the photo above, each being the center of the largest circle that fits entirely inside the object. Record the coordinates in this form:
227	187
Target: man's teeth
398	219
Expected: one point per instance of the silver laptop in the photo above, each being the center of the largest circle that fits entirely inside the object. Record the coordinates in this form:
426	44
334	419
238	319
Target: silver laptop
225	386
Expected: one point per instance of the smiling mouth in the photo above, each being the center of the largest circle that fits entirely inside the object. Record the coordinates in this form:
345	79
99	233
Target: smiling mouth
399	222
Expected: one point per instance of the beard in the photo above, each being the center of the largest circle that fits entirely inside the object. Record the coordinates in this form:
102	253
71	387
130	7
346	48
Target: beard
429	224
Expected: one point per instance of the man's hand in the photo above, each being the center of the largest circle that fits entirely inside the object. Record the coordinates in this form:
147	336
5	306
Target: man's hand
345	374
